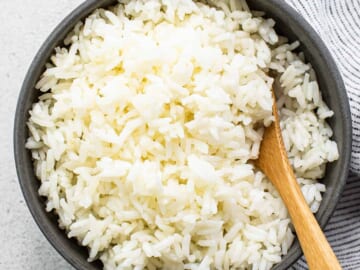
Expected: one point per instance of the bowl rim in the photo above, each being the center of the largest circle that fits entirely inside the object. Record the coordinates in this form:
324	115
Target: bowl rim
78	14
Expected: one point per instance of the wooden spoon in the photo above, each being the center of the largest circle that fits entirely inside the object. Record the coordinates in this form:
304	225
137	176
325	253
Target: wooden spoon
274	163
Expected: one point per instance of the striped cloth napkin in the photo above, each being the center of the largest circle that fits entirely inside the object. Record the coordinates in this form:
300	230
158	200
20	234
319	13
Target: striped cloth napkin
338	24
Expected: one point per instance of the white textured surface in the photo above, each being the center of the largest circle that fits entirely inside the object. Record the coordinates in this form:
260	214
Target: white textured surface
24	25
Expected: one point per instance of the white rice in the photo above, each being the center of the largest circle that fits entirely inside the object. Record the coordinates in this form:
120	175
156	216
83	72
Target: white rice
146	125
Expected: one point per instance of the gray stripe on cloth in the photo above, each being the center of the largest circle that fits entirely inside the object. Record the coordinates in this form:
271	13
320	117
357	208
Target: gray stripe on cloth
338	24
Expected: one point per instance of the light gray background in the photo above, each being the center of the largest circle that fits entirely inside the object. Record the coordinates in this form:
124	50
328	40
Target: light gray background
24	25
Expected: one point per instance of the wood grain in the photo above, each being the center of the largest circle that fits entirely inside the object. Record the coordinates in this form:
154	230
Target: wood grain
273	161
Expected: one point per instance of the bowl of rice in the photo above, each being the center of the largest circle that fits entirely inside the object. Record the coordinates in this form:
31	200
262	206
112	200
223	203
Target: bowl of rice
138	122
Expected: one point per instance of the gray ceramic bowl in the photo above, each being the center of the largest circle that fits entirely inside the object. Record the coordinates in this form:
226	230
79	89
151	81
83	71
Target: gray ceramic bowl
288	23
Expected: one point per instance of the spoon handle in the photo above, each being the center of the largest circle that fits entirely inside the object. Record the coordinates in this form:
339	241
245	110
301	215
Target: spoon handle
273	161
318	252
